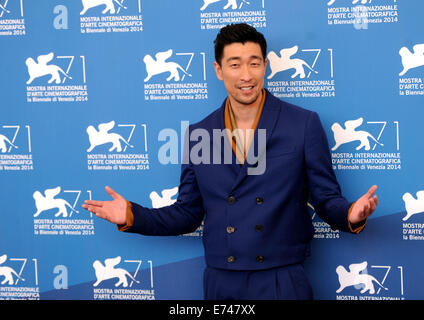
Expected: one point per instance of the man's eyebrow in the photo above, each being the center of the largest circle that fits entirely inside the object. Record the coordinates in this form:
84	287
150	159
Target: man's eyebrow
255	57
232	58
238	58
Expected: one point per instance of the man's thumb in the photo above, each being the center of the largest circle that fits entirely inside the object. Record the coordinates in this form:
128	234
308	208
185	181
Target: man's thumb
111	192
371	191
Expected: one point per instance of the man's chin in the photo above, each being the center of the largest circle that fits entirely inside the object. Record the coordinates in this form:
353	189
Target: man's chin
247	99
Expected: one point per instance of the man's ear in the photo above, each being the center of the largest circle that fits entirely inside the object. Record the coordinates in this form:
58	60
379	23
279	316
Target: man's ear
218	70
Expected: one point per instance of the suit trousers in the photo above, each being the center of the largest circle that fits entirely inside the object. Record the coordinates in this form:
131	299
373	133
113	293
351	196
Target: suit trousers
281	283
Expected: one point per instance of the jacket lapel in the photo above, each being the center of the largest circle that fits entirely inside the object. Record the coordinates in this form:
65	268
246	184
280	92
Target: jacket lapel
234	166
267	121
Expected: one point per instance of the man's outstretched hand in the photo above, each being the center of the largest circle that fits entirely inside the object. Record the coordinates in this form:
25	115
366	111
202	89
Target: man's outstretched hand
113	211
364	206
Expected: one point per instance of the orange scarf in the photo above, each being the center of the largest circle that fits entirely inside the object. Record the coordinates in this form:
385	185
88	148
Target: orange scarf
237	143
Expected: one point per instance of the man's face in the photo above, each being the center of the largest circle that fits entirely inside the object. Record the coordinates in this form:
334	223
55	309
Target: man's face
243	70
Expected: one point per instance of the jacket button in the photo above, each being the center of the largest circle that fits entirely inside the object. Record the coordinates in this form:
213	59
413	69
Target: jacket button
230	229
259	227
260	258
259	200
231	199
231	259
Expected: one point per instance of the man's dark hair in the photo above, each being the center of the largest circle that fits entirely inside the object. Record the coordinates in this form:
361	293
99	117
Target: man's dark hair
241	32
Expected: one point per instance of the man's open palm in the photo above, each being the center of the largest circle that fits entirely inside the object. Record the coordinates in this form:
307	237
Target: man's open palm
364	206
113	211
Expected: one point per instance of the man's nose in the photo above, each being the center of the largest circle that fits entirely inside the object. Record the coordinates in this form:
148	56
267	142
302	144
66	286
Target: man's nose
245	73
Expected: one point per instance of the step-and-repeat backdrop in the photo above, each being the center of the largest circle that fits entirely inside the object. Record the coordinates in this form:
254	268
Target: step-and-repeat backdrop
100	92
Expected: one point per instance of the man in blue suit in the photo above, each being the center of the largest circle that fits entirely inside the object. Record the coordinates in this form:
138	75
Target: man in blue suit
252	199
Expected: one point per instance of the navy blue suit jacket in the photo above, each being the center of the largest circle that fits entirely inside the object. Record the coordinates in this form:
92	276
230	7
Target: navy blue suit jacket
254	222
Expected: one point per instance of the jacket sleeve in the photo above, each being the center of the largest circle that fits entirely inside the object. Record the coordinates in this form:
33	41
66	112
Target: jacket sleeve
184	216
324	190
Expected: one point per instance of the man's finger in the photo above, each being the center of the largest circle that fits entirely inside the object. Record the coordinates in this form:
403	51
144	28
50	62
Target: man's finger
111	192
373	206
91	208
99	212
367	209
371	191
94	203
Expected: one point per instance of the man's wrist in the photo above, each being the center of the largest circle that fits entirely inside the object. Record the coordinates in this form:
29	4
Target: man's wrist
129	218
358	226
